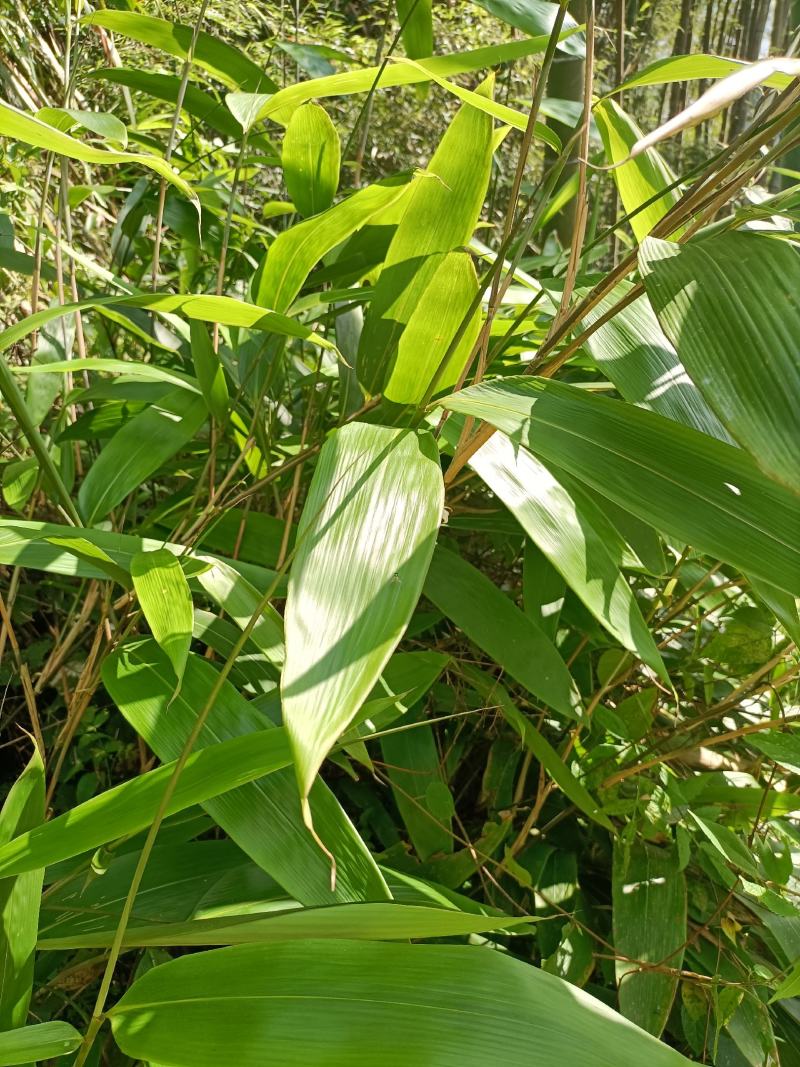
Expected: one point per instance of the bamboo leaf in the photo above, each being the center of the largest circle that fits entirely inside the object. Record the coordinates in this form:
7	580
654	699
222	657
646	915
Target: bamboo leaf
565	525
311	158
138	449
639	180
364	543
401	999
240	600
221	60
282	105
262	817
635	354
24	809
363	922
649	909
209	371
133	805
690	68
536	17
166	602
32	131
416	19
706	493
729	305
432	325
441	214
295	251
494	623
31	1044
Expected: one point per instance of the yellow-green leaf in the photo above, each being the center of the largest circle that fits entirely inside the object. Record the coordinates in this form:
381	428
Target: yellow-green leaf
311	157
166	602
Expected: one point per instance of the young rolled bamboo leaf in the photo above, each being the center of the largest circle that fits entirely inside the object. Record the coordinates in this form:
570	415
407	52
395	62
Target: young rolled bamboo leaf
441	214
311	157
397	1003
640	179
636	355
138	449
133	805
295	251
494	623
707	493
263	817
209	371
431	327
20	894
564	525
730	306
416	19
649	910
34	1044
32	131
365	540
718	97
166	602
282	105
222	61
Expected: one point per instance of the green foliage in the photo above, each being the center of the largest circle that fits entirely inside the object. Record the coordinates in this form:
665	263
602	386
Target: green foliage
400	535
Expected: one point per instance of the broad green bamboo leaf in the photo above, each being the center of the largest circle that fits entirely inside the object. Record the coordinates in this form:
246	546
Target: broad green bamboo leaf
784	748
295	251
640	179
709	494
649	910
240	600
138	449
416	19
133	805
442	212
413	766
20	478
196	102
728	844
635	354
496	695
282	105
730	306
222	309
400	1004
32	1044
789	987
311	157
209	371
431	327
361	922
494	623
690	68
221	60
536	17
263	817
37	545
32	131
365	539
568	529
166	602
24	809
